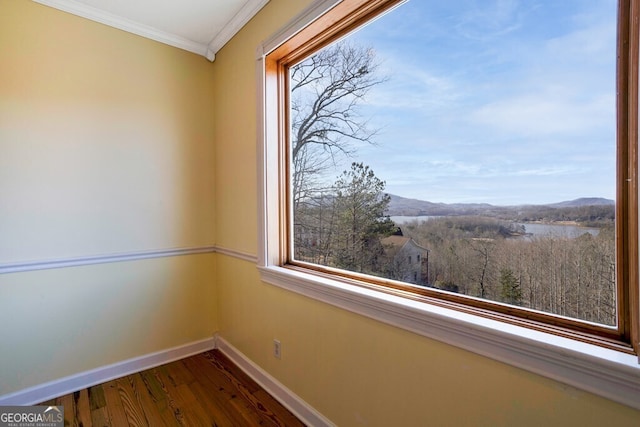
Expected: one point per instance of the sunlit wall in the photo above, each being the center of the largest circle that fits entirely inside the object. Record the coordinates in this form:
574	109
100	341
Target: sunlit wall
106	148
354	370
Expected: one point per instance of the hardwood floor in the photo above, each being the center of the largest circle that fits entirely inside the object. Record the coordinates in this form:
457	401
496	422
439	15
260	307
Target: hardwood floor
202	390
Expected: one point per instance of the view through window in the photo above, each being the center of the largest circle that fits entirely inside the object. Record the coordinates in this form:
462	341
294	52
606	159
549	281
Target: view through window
468	147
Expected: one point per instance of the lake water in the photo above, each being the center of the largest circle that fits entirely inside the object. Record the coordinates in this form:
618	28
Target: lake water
553	230
556	230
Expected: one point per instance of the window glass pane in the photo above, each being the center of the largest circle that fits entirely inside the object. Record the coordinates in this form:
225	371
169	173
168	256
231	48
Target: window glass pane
465	146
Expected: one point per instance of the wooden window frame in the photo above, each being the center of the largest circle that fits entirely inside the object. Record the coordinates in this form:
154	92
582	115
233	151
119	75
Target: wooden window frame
328	20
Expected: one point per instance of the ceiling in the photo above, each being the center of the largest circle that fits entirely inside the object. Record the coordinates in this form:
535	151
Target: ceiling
199	26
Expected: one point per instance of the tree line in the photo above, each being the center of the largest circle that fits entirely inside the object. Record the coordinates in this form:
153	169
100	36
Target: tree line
572	277
479	257
588	215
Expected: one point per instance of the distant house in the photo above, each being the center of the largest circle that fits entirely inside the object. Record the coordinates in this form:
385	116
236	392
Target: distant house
405	260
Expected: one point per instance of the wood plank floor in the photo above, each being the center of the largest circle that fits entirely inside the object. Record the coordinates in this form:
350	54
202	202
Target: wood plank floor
203	390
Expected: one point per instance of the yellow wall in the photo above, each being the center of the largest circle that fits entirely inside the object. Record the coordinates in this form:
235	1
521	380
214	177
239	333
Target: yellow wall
60	322
106	146
106	139
352	369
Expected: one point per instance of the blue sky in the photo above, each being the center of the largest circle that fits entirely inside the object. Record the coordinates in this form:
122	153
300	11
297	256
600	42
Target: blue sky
498	101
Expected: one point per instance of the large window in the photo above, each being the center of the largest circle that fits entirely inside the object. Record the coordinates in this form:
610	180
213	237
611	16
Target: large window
479	158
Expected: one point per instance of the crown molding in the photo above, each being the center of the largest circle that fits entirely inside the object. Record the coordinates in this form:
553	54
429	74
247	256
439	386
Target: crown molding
115	21
248	11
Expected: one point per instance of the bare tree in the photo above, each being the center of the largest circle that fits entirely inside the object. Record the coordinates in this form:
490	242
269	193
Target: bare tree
573	277
326	90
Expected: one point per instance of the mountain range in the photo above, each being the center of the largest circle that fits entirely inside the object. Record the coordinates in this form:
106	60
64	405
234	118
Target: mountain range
402	206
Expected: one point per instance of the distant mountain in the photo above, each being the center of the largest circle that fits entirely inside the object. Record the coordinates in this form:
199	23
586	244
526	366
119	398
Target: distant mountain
414	207
402	206
584	201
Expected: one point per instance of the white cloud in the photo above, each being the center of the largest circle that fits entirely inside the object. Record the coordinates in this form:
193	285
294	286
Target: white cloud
488	20
514	115
413	87
544	114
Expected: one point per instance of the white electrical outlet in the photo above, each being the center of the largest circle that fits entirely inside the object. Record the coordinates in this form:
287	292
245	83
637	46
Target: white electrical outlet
277	349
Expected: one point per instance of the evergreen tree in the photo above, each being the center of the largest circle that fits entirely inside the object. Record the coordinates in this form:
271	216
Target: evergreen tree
510	287
360	205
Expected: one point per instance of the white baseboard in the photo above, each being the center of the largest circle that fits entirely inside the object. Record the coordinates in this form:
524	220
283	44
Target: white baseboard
282	394
82	380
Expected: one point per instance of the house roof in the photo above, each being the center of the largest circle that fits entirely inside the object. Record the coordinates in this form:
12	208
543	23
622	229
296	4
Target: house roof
395	240
400	241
